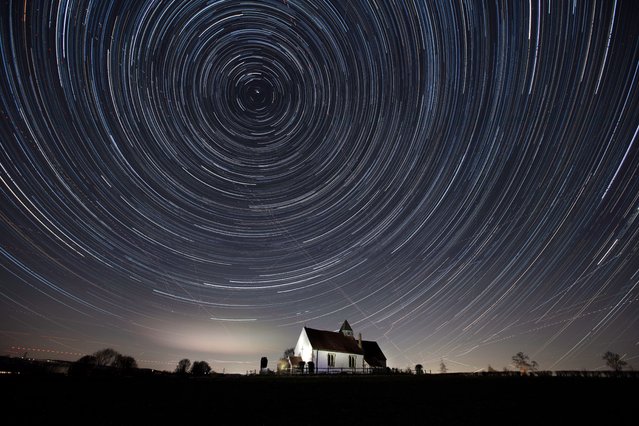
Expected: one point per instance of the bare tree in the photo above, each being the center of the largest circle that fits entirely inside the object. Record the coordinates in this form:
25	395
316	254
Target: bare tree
106	357
442	367
183	366
522	362
289	352
614	361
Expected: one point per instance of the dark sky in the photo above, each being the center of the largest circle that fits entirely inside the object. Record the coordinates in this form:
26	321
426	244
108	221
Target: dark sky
203	178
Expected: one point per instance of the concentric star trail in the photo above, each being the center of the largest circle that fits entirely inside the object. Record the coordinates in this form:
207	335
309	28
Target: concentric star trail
458	179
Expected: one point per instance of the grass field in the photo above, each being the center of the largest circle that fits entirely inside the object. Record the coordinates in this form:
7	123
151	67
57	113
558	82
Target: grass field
354	400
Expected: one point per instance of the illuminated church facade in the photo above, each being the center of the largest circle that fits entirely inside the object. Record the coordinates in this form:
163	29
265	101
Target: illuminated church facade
338	351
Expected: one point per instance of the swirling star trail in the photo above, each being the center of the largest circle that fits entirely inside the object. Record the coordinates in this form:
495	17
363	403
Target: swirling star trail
200	179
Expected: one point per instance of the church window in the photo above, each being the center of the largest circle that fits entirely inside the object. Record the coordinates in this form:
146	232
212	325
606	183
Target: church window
331	360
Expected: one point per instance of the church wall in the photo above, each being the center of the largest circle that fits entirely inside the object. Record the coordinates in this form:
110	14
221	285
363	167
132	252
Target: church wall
303	347
341	360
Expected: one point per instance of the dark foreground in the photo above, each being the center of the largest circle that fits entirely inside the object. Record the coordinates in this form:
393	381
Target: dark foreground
392	400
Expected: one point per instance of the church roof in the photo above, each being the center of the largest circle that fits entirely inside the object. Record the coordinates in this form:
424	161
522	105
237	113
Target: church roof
373	354
338	342
332	341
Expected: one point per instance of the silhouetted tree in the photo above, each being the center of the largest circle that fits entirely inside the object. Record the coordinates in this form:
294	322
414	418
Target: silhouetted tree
105	360
289	352
125	362
263	363
200	368
311	367
419	369
523	363
106	357
491	369
442	367
183	366
614	361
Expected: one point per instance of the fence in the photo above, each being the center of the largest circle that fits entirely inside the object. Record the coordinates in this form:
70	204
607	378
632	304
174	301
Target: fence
334	370
394	371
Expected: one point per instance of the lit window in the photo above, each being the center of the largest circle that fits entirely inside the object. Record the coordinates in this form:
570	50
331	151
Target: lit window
331	360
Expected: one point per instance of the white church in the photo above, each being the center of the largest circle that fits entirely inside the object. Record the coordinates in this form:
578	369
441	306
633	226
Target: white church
337	351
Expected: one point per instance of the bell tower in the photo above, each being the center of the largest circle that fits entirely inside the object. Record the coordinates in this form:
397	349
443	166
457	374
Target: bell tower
346	329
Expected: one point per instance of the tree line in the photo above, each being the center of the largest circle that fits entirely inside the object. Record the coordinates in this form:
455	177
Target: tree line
525	365
197	369
105	361
110	361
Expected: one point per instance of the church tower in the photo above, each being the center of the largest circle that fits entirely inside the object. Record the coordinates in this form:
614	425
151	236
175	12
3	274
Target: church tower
346	329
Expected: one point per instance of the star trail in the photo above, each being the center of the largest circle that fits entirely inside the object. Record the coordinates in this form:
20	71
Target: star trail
458	179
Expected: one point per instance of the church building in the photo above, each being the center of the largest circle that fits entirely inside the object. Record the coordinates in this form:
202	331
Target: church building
339	350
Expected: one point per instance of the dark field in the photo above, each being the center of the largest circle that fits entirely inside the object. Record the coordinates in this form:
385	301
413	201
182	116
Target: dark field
395	400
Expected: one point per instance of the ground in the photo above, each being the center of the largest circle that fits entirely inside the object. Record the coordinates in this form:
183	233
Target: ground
396	400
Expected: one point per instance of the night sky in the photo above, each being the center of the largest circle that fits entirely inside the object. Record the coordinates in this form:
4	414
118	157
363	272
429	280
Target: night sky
201	179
